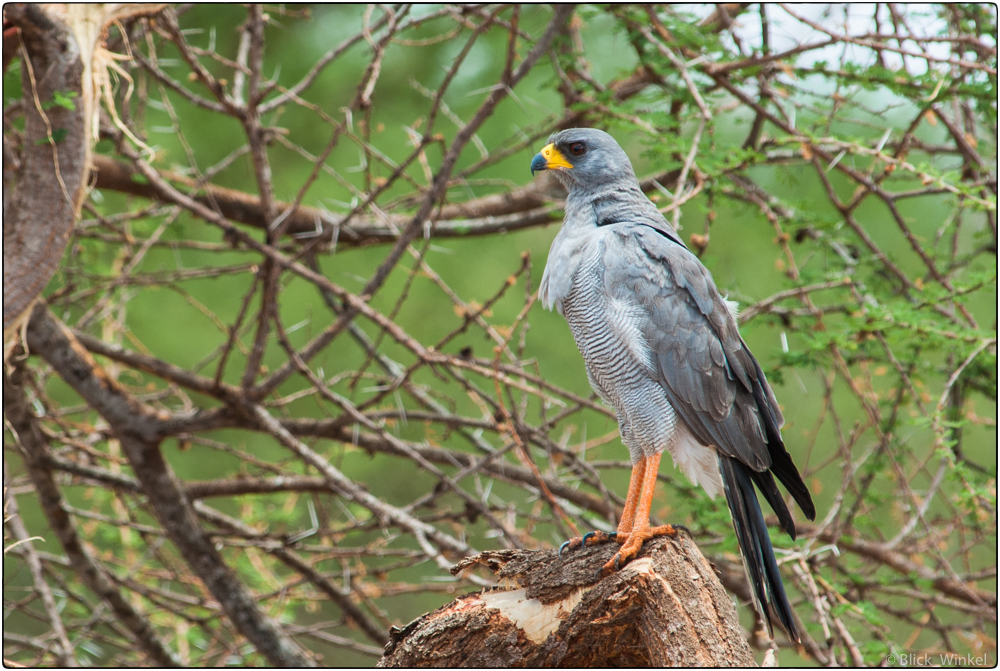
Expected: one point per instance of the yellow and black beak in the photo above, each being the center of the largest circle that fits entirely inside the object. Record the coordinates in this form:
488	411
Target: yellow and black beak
549	158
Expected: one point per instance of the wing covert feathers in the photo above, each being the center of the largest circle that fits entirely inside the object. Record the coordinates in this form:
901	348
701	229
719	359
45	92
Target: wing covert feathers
709	375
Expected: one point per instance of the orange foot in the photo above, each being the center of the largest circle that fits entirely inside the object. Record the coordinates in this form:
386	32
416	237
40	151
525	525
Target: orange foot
632	543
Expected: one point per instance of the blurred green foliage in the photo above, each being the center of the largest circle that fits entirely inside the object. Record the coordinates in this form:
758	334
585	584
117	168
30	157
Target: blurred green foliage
806	348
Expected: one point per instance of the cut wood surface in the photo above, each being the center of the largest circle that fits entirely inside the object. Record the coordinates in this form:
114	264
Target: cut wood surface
665	608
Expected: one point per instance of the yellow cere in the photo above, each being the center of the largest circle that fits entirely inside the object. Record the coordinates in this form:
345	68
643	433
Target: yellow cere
554	158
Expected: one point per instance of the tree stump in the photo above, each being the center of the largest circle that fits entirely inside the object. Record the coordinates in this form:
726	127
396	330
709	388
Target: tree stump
664	608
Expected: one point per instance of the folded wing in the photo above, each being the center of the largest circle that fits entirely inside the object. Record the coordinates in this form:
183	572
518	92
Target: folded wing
710	377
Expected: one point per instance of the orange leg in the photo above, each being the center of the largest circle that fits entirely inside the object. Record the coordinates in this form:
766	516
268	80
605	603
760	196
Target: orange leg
632	498
640	531
627	518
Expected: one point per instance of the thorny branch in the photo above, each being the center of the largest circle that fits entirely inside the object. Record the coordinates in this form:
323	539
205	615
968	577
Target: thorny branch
250	426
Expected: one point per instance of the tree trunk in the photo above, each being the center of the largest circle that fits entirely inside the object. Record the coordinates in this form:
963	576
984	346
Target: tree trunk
664	608
44	173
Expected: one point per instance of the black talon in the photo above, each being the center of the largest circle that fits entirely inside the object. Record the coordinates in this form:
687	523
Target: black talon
617	560
607	536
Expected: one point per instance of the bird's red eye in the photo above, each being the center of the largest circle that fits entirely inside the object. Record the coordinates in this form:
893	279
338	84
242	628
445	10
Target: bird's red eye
578	149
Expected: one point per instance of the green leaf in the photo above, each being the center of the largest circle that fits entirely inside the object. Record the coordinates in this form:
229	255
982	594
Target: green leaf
62	99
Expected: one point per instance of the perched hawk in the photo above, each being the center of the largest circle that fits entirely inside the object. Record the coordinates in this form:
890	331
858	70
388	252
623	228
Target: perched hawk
663	349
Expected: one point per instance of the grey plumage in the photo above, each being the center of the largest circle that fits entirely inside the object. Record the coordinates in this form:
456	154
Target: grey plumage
663	349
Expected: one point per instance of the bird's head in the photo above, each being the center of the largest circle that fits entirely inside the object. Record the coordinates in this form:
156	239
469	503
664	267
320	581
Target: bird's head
583	158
